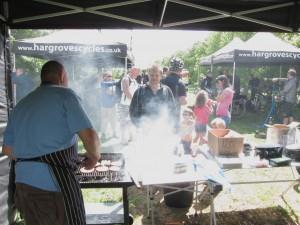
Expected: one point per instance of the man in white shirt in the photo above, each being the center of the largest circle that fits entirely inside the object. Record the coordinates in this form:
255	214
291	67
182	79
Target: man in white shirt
128	86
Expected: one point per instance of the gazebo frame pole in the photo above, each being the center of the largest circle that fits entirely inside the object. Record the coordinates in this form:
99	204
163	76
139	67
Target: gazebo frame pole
73	71
280	71
233	77
233	74
125	69
14	87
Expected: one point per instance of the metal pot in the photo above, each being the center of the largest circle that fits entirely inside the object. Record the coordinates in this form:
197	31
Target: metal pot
268	151
293	152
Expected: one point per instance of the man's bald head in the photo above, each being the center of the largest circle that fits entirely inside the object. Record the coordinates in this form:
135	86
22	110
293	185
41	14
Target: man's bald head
53	72
134	72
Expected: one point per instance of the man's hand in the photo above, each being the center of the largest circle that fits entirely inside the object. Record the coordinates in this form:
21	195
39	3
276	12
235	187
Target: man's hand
90	160
7	150
91	143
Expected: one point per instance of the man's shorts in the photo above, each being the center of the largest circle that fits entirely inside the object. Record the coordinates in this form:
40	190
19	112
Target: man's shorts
287	109
39	206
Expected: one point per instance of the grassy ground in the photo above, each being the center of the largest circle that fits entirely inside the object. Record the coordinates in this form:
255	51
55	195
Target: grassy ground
245	204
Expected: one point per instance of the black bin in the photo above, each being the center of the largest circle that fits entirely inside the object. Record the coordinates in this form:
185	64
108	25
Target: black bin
268	151
181	199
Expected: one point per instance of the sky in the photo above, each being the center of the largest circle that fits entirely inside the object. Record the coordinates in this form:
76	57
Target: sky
151	45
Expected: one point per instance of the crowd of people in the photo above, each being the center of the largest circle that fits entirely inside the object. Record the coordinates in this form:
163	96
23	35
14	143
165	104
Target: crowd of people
261	90
41	134
164	92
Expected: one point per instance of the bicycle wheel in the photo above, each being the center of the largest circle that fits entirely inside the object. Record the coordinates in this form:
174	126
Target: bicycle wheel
238	108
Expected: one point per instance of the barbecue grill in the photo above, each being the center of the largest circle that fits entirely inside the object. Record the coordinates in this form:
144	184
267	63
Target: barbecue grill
113	176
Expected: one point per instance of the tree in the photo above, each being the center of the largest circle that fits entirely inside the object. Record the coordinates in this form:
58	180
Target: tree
32	65
292	38
216	41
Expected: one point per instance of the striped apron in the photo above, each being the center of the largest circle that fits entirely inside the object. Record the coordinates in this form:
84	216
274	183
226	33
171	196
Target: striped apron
63	165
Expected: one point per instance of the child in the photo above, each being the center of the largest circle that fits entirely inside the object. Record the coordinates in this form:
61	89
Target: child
186	129
202	110
218	123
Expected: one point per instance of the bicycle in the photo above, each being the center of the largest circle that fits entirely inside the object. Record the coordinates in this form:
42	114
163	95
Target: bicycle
274	113
238	106
256	104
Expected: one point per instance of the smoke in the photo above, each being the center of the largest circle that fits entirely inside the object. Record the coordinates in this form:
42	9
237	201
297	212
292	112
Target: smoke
153	157
84	73
154	145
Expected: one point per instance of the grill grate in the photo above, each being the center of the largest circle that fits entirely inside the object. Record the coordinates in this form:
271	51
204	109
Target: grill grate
115	173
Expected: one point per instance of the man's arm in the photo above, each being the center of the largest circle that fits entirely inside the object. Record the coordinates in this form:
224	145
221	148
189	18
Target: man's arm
7	150
125	87
91	143
287	87
135	108
108	83
279	79
181	94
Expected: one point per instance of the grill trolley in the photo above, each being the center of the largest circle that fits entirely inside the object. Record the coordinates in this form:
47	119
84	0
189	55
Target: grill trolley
105	213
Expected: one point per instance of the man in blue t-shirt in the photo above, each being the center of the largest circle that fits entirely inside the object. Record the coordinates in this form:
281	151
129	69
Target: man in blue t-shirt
108	105
40	136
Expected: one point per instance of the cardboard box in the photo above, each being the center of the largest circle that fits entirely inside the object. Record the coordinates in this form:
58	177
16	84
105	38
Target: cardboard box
225	142
277	134
282	134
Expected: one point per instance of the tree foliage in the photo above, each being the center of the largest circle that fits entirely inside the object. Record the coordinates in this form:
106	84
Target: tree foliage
217	40
32	65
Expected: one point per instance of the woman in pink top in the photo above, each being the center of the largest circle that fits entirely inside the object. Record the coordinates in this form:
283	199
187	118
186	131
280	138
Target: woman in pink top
202	110
224	99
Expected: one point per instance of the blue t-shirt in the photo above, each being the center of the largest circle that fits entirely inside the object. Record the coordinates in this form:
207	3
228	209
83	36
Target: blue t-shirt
108	94
43	122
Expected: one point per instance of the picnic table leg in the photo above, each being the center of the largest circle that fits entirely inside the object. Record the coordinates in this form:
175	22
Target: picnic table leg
148	202
150	199
151	205
213	220
196	194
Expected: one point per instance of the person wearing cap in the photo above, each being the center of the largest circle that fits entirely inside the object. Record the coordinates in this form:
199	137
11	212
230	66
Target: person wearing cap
289	94
174	82
207	82
165	72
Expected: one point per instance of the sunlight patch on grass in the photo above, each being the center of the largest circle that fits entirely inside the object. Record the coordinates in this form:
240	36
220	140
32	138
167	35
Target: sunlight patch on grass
94	195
